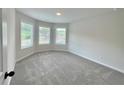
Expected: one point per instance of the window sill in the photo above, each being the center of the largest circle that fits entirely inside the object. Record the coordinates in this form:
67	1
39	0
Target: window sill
61	44
44	44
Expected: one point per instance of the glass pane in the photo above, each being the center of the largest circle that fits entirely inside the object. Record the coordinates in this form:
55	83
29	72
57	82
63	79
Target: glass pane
44	35
60	36
26	35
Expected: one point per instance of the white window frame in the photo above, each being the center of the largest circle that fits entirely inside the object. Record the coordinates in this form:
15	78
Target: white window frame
26	22
49	36
65	35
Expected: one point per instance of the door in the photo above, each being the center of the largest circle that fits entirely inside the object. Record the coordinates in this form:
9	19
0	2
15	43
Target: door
8	44
1	55
0	41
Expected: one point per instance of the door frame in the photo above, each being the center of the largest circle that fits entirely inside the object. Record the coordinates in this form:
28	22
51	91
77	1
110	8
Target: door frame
8	42
1	60
3	41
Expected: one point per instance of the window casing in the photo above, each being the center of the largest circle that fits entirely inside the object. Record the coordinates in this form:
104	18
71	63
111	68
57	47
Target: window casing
44	35
26	35
60	36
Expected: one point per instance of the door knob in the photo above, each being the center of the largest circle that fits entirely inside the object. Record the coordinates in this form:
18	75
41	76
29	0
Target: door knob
10	74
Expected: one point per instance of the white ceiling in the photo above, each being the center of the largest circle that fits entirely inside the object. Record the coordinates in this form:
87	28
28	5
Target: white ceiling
68	14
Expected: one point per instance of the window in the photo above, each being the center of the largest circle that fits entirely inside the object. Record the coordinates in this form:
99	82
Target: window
26	35
44	35
60	36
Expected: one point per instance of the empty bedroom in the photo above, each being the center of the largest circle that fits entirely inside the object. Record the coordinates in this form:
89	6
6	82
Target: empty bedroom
62	46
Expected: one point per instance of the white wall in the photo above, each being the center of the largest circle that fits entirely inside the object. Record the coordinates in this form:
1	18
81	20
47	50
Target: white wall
21	53
100	39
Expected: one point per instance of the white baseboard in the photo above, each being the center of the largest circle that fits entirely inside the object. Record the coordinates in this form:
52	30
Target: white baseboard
24	57
111	67
51	50
38	52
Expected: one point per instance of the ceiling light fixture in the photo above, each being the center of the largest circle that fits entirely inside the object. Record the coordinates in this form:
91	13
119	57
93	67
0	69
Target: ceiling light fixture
58	14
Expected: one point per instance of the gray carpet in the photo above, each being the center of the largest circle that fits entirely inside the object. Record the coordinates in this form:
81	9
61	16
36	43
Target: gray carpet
63	68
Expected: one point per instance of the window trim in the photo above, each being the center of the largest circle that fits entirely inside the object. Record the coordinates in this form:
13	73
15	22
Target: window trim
65	35
32	40
39	35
